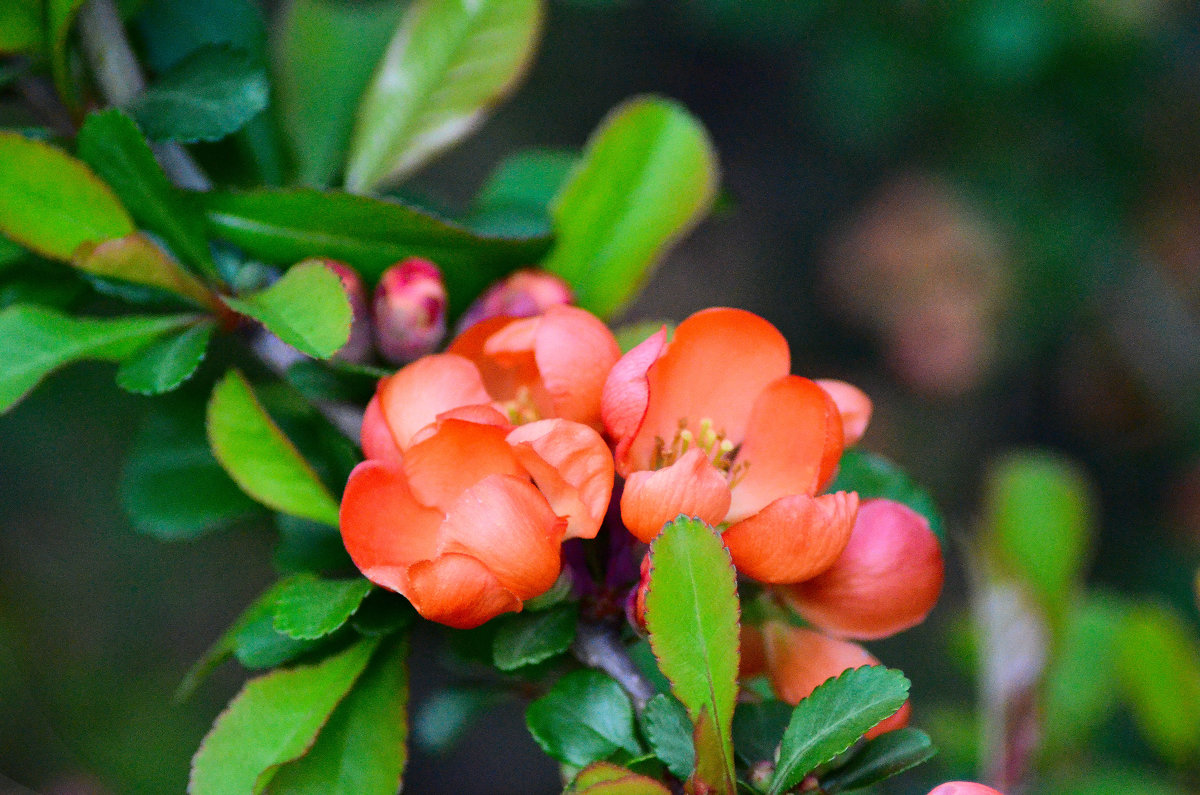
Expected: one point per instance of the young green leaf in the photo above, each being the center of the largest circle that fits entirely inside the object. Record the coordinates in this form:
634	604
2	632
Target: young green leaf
648	175
692	618
873	476
666	726
137	260
273	720
362	749
167	363
307	308
35	341
885	756
21	27
211	93
259	458
447	64
833	717
585	717
325	52
112	145
309	607
52	203
532	637
60	17
605	778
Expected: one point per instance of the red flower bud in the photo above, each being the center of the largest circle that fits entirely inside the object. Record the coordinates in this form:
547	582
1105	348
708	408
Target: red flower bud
409	310
358	347
526	293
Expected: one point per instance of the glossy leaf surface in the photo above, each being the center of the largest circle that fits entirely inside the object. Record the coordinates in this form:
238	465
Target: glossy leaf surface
585	717
307	308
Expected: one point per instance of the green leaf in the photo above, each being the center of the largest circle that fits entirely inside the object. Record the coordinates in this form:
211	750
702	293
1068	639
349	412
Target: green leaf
167	363
21	27
35	341
273	720
325	53
527	638
448	62
111	143
136	260
211	93
527	179
692	617
52	203
362	749
310	607
833	717
874	476
60	17
585	717
605	778
447	714
307	308
259	458
173	29
648	175
757	729
666	726
885	756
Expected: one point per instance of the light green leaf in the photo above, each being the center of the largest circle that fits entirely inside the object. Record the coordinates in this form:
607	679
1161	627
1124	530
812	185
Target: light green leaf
138	260
52	203
211	93
325	52
167	363
649	174
362	749
111	143
60	17
528	638
605	778
309	607
692	617
885	756
666	726
585	717
874	476
259	458
307	308
274	719
35	341
21	27
833	717
448	63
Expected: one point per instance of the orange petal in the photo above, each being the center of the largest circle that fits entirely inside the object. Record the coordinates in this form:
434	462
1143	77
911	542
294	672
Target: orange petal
897	721
454	458
691	486
459	591
377	441
418	393
572	466
792	445
481	415
575	352
714	368
506	524
798	660
627	394
502	350
384	528
793	538
854	406
886	580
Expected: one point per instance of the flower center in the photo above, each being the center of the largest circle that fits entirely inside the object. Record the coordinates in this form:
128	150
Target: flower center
522	408
720	450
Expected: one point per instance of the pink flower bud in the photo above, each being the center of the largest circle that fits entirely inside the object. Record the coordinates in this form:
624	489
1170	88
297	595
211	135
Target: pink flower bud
358	347
409	310
526	293
963	788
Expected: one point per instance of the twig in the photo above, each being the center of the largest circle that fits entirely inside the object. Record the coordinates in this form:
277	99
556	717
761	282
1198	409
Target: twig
599	646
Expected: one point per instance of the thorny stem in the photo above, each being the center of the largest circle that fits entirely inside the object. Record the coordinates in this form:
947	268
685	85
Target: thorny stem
599	646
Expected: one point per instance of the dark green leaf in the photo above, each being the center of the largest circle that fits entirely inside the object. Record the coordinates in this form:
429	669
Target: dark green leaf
10	253
692	618
167	363
52	203
874	476
21	27
60	17
667	727
41	289
447	714
211	93
528	638
307	308
383	613
260	459
309	607
363	747
173	29
833	717
585	717
34	341
111	143
648	175
273	720
757	729
308	546
887	755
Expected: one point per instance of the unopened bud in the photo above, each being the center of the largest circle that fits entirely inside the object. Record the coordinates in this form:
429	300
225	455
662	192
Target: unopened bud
526	293
358	347
635	605
409	310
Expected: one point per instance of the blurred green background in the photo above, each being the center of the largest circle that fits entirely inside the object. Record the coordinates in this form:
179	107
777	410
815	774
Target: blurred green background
985	213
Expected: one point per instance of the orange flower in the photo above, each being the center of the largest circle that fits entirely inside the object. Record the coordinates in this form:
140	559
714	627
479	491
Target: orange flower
712	425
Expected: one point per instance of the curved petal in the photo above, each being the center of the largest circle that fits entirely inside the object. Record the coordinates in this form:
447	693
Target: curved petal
714	368
459	591
963	788
418	393
377	441
792	445
574	351
793	538
384	528
854	406
627	394
691	486
506	524
572	466
798	660
503	350
886	580
458	455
